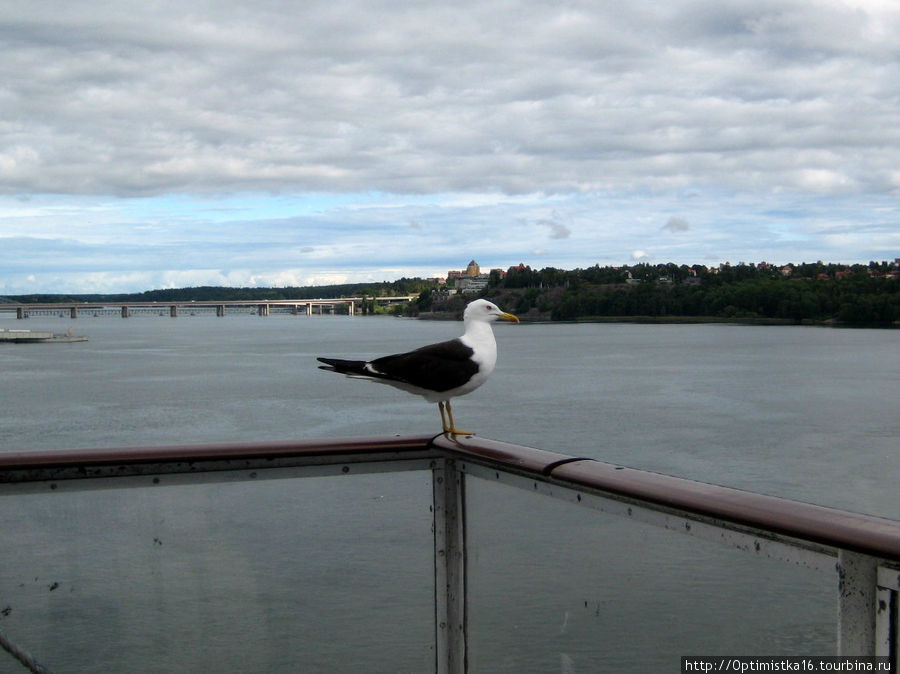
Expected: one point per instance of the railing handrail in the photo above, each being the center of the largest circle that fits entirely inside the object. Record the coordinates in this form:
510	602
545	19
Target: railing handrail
833	527
17	461
866	548
822	525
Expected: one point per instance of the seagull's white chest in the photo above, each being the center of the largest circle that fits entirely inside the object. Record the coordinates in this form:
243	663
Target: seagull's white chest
485	348
481	341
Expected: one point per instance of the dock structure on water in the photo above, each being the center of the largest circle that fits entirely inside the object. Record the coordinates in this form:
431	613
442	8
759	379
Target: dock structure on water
37	336
308	307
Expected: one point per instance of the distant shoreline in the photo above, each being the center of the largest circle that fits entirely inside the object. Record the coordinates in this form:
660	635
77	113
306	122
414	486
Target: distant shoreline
750	320
702	319
677	320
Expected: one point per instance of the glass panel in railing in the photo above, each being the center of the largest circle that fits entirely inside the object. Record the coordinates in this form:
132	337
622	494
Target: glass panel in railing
558	587
316	574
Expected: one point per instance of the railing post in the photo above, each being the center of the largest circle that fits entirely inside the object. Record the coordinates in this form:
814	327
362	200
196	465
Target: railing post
887	615
857	597
449	567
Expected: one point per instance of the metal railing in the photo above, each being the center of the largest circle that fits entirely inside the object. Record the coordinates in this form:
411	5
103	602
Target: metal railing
864	551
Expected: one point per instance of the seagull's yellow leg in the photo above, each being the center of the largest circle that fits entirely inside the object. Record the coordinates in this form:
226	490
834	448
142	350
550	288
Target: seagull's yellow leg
443	420
453	430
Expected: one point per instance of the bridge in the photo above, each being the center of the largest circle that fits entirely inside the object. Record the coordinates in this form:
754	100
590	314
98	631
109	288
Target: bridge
263	307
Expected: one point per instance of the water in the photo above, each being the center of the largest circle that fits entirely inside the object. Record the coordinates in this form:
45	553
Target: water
335	574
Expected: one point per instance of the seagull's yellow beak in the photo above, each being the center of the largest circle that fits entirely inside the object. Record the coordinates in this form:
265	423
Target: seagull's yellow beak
509	318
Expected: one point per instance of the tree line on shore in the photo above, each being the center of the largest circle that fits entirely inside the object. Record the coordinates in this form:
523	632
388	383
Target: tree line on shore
816	292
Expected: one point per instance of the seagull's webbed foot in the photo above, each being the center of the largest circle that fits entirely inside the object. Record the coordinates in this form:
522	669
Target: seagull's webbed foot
447	423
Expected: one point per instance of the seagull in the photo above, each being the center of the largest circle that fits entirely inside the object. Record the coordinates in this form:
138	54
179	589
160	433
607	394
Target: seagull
438	372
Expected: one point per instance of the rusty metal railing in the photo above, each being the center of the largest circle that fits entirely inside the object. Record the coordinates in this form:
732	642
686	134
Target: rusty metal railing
864	550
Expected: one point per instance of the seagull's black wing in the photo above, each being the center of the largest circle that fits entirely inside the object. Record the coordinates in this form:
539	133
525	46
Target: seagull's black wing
355	368
436	367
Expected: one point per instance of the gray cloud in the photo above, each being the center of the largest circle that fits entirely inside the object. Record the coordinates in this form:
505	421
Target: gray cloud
132	133
149	98
557	229
675	224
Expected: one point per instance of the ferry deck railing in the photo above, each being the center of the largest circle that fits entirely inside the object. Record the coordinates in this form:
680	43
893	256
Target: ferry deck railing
864	551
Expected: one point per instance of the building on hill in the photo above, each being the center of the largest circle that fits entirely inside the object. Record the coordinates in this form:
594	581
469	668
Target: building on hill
471	270
470	280
472	284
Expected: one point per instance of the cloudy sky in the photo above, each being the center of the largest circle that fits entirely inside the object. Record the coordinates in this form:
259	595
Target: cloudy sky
216	142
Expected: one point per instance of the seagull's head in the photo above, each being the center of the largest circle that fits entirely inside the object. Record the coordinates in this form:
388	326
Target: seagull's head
484	311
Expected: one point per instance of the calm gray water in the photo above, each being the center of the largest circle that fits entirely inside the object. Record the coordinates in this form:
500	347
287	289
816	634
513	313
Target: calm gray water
334	574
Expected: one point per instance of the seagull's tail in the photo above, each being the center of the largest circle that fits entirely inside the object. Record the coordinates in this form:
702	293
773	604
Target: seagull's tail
348	367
